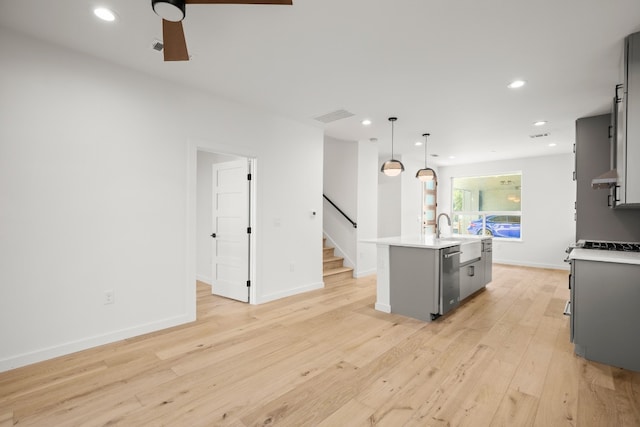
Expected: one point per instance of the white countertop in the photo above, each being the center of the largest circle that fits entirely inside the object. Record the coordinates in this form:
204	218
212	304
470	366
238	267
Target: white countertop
605	256
426	242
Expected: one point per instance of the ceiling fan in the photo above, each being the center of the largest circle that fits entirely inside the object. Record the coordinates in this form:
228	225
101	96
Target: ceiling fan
172	13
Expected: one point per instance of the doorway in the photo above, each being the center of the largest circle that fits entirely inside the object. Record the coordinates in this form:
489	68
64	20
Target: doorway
224	219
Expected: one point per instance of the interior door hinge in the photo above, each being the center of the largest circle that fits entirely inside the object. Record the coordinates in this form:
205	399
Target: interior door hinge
249	177
248	283
248	230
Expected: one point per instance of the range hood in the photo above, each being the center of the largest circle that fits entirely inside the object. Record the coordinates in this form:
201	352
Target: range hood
605	181
610	178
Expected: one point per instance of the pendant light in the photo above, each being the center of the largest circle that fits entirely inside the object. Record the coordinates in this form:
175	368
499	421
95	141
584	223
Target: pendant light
169	10
426	174
392	167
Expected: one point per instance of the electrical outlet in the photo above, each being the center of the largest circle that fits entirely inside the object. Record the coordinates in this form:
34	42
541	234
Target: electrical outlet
109	297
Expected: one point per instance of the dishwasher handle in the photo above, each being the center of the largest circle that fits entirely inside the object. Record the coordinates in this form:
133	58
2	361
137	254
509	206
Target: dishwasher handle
452	254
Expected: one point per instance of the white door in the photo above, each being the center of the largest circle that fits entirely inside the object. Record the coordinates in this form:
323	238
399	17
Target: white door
231	230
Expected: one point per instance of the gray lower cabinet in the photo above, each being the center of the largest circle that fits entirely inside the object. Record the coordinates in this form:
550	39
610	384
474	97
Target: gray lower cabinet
414	279
605	312
487	259
472	278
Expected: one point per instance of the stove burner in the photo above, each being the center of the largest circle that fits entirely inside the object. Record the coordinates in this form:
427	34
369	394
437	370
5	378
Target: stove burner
613	246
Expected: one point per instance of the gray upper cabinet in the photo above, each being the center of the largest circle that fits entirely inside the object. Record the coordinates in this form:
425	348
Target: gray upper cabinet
594	219
626	193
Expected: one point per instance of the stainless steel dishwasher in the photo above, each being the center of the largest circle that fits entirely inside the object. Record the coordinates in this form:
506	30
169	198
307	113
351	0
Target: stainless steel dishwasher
449	278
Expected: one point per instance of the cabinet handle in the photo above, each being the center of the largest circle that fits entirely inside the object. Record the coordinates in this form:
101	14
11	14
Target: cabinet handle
609	200
615	197
452	254
574	175
567	308
618	98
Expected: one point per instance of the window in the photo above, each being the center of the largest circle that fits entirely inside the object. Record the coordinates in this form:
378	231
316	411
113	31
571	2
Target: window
429	203
490	205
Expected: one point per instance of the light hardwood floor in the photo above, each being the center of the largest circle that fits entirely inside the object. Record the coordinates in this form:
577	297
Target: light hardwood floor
327	358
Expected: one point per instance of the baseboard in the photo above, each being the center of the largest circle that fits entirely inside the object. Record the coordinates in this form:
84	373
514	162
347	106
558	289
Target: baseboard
563	266
386	308
289	292
360	274
84	344
204	279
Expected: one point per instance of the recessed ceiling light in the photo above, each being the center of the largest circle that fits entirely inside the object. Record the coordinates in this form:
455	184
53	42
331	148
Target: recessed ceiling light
452	157
540	123
418	143
516	84
553	144
366	122
105	14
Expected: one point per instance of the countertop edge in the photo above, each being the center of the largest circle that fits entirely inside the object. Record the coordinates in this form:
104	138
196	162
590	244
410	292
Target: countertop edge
605	256
422	242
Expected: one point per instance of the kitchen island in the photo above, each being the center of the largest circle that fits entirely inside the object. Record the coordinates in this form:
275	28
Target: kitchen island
424	276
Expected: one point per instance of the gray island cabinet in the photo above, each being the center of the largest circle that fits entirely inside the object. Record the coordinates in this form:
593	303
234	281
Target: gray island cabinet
425	277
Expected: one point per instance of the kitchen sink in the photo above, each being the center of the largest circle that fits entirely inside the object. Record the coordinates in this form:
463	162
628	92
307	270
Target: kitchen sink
471	247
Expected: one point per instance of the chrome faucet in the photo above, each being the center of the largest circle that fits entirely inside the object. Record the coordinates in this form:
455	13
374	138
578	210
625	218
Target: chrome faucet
438	223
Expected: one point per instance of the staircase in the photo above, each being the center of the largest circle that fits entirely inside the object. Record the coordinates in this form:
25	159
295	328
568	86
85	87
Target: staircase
333	270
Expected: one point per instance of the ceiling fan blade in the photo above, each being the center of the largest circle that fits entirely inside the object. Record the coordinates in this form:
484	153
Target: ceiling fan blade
175	45
282	2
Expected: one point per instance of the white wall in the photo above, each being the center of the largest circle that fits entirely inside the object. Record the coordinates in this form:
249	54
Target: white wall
203	212
367	207
389	203
548	196
97	177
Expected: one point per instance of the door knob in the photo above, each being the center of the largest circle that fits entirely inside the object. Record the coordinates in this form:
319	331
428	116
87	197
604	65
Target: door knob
213	235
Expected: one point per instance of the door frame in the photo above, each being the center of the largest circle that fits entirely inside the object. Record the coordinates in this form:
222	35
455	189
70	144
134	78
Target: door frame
193	146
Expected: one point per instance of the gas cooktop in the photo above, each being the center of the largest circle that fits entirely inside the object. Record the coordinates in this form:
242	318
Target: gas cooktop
611	246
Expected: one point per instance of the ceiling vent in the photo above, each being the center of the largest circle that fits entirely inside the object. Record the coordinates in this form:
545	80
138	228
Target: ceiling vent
334	116
539	135
157	45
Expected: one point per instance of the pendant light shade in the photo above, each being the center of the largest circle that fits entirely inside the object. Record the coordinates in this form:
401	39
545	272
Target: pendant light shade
169	10
426	174
392	167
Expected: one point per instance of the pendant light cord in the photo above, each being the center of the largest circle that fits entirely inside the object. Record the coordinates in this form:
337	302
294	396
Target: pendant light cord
392	140
392	119
425	149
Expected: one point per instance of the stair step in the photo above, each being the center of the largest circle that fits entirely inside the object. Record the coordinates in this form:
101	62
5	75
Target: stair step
329	263
337	275
327	252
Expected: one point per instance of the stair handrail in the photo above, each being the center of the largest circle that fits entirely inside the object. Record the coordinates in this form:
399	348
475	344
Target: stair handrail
340	210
